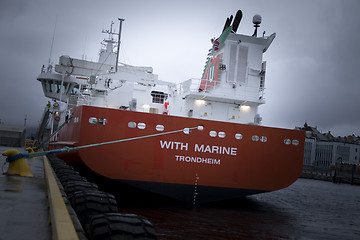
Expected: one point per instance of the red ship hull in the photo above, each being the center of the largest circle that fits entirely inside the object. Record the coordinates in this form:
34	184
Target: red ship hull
221	161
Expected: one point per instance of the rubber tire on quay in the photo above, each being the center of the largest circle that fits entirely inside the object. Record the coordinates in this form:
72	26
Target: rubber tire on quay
58	163
63	172
55	160
77	186
51	157
88	203
58	168
70	177
119	226
70	182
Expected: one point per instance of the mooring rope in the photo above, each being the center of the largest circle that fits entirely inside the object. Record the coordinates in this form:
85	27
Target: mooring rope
68	149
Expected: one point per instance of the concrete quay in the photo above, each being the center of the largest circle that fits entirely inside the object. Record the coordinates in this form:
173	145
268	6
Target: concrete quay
33	207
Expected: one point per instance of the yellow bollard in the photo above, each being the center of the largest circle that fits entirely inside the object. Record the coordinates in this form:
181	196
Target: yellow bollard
29	150
18	166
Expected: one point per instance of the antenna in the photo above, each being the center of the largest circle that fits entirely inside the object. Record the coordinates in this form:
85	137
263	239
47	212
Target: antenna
256	22
110	32
84	56
25	120
118	46
52	42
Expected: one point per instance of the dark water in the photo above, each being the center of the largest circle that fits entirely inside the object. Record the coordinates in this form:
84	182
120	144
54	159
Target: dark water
308	209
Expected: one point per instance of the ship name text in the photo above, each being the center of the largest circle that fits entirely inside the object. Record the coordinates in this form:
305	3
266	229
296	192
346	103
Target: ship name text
189	159
183	146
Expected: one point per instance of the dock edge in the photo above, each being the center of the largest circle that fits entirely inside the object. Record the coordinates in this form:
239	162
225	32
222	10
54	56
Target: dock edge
61	224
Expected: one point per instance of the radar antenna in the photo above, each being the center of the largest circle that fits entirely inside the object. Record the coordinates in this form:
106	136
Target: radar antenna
256	22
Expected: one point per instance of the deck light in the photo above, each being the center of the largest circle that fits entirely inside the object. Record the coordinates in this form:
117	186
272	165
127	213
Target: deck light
146	106
200	102
245	108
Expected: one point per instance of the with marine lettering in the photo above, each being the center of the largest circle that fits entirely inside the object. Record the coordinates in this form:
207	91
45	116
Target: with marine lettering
201	148
198	148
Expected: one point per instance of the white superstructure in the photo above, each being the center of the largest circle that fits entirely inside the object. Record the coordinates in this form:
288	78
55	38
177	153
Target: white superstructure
231	88
239	89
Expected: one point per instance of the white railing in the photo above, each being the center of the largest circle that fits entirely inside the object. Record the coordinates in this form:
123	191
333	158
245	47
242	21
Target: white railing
221	90
79	99
83	99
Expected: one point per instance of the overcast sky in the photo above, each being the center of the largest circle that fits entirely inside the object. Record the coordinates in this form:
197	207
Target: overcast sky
312	65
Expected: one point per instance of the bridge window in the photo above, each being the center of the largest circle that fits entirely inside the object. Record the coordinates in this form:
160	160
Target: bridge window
75	90
158	97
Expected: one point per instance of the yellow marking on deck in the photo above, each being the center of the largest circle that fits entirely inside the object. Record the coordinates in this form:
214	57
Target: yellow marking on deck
61	223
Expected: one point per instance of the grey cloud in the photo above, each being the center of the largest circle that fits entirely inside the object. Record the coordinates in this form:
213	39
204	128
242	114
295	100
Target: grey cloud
312	63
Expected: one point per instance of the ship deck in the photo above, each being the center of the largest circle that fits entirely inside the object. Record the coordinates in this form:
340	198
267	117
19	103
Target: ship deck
25	201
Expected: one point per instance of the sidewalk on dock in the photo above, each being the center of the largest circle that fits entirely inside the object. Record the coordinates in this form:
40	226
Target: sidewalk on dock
24	212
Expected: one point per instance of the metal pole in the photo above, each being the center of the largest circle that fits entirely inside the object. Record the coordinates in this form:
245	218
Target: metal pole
52	42
118	46
61	86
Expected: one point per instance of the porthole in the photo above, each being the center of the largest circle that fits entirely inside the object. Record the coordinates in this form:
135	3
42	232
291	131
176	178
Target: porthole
141	125
221	134
213	133
263	139
295	142
103	121
92	120
255	138
160	128
238	136
132	125
287	141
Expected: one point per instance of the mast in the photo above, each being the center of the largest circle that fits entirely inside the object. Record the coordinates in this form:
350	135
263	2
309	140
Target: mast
52	42
118	46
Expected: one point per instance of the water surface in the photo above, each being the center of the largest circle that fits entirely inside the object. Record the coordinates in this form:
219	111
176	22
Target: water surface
308	209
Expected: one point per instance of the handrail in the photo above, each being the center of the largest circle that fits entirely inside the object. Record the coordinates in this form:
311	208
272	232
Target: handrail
249	93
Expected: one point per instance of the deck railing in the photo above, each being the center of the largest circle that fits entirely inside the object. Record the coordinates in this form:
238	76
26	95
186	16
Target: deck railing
221	90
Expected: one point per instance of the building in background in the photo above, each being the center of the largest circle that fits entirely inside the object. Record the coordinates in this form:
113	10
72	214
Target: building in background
12	136
323	150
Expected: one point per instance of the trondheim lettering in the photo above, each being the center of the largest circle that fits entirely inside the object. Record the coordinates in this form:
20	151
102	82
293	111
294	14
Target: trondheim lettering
189	159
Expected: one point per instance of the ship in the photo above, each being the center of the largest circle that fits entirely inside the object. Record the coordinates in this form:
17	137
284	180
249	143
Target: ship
197	141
